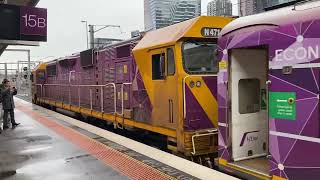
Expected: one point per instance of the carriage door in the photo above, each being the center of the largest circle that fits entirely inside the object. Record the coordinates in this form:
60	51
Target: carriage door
164	87
247	92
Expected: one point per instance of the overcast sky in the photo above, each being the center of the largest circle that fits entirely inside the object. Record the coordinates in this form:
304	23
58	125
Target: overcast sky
66	33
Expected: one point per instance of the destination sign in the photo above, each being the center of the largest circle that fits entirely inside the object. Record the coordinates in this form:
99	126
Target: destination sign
210	32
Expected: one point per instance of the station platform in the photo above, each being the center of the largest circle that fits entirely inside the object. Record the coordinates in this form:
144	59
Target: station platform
48	145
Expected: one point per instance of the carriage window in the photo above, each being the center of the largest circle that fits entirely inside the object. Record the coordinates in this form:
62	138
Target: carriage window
199	57
249	96
171	64
158	66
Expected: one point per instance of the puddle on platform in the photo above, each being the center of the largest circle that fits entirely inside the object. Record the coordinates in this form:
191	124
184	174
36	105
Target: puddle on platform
34	149
41	167
6	174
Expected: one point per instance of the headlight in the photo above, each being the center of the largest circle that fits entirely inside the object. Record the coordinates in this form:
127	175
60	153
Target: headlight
198	83
191	84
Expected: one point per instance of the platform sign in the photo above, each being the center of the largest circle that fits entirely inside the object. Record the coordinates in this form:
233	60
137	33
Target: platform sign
22	23
33	21
282	105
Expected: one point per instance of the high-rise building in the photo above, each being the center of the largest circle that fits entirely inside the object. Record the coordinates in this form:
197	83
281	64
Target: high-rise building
249	7
219	8
162	13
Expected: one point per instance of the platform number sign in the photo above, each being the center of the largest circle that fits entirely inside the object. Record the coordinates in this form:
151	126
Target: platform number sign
210	32
33	21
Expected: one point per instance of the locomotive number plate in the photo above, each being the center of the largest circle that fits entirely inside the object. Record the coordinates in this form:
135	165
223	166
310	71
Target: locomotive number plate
210	32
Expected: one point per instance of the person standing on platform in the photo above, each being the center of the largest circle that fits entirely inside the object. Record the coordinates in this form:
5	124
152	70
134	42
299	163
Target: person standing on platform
1	109
8	104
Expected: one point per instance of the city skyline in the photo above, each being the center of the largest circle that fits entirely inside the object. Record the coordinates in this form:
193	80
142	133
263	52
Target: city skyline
162	13
250	7
219	8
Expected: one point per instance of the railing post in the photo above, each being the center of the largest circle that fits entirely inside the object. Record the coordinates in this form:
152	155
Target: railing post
79	96
69	94
102	103
115	99
122	111
90	98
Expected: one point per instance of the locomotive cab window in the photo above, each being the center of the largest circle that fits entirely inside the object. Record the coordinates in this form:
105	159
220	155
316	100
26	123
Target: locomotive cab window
171	69
158	66
199	57
41	75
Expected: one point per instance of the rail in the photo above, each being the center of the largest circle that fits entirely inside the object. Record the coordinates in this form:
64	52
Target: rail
184	91
113	85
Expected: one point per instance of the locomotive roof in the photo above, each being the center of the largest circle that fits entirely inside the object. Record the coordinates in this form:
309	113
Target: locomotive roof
270	19
171	34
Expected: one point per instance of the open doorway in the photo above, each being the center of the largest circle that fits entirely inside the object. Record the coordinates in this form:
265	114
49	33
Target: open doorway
248	114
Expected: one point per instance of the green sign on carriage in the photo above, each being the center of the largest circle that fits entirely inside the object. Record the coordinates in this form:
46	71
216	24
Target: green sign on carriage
282	105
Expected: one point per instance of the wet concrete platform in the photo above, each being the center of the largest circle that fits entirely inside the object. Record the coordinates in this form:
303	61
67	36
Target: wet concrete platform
48	145
32	151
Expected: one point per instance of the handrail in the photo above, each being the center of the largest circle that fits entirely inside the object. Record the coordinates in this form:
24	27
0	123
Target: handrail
91	97
41	86
209	133
122	99
184	91
122	105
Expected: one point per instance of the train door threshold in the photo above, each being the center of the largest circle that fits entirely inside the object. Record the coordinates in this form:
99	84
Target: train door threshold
257	165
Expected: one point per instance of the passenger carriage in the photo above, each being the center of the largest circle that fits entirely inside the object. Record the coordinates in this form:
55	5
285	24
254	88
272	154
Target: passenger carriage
268	94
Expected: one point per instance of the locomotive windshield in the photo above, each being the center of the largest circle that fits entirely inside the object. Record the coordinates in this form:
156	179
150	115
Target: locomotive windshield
199	57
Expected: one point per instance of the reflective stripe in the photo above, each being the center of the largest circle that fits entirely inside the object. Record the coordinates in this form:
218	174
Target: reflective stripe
295	136
223	124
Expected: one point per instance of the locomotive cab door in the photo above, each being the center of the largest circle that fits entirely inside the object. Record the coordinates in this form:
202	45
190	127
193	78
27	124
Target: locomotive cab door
165	87
248	96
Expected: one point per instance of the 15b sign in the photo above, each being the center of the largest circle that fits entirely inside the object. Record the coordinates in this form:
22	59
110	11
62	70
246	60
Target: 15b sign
33	21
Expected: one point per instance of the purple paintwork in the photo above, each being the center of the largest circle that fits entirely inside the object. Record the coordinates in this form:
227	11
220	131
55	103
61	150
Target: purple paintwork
300	158
196	117
109	67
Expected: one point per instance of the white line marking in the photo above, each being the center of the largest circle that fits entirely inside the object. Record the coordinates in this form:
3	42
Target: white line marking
281	33
304	99
295	136
315	80
296	167
295	30
285	174
308	27
294	85
297	66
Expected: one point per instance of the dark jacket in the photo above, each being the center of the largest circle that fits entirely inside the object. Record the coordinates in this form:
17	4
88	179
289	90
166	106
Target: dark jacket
7	98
